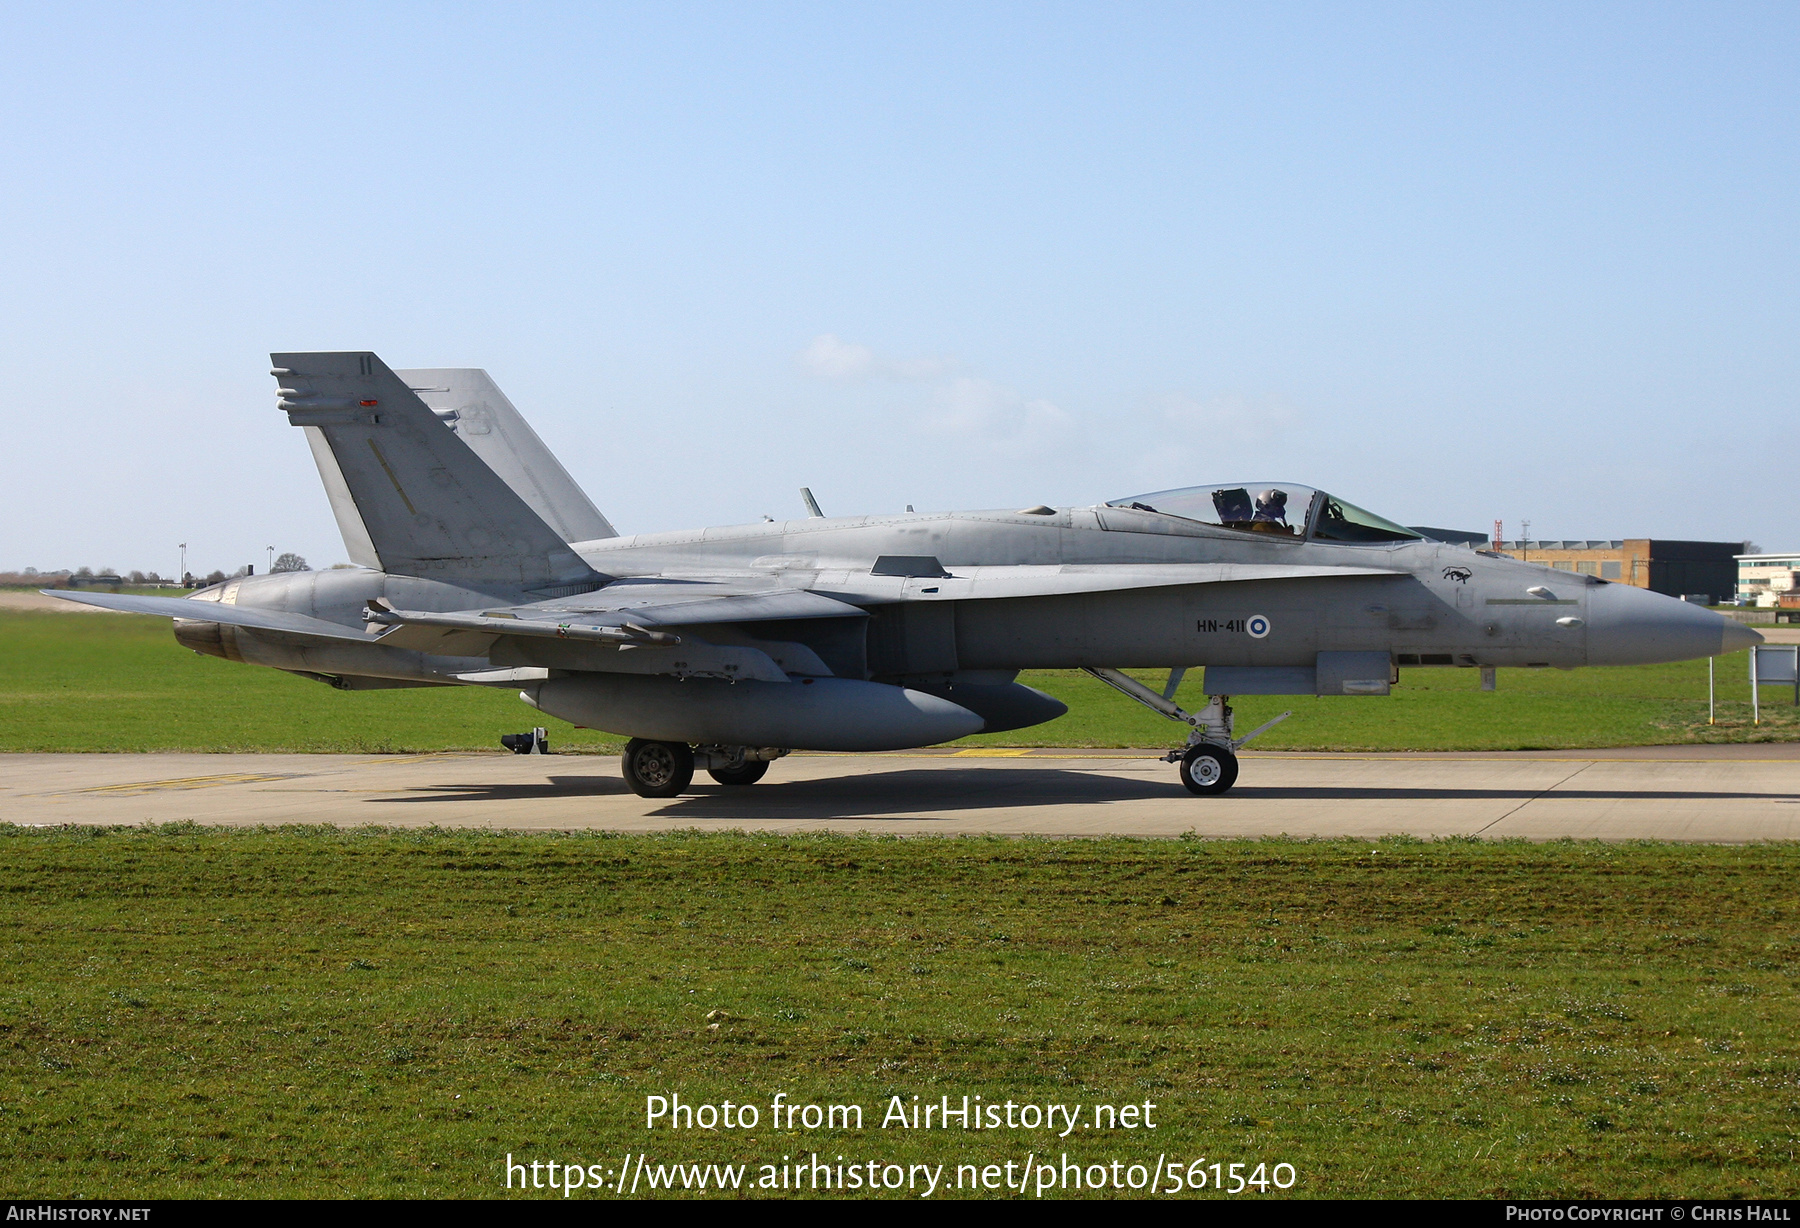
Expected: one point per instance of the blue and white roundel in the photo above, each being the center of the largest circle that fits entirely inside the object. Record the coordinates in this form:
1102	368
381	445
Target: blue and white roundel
1257	626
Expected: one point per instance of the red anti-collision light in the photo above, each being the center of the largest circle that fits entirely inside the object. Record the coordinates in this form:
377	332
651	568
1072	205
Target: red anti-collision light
368	403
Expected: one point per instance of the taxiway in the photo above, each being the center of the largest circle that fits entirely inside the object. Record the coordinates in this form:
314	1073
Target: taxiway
1724	794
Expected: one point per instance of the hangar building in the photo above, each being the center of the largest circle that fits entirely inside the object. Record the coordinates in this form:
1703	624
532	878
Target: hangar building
1673	568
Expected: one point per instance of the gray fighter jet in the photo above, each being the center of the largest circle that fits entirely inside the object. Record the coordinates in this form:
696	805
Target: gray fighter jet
483	564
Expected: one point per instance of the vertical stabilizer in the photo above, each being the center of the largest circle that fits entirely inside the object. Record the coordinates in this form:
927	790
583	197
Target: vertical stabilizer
427	504
473	406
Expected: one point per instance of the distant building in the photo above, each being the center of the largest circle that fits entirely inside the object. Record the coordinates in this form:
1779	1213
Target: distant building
1674	568
1761	578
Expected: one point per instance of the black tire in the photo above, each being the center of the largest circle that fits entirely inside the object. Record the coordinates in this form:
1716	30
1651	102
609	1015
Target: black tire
658	769
1209	769
746	773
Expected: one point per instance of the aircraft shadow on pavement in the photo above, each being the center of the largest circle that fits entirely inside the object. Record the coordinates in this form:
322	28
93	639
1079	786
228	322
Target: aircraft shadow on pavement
920	793
556	786
933	792
1403	793
903	792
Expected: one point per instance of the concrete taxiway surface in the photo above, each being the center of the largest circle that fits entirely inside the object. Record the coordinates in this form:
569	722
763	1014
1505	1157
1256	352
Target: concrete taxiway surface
1696	793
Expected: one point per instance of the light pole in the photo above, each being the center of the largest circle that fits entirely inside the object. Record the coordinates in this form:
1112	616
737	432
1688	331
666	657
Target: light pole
271	551
1525	541
181	573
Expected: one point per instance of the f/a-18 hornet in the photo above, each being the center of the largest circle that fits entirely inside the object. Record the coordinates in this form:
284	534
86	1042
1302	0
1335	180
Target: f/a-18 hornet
483	564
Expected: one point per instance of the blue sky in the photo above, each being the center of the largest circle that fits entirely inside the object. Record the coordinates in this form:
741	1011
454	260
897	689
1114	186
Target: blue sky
1453	263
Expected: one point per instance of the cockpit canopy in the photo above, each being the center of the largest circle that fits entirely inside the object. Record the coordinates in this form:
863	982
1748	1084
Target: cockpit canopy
1284	509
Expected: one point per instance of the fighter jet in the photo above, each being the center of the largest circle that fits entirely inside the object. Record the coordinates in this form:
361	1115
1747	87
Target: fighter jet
483	564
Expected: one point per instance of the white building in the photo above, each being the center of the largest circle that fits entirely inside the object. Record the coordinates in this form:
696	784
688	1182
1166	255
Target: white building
1762	576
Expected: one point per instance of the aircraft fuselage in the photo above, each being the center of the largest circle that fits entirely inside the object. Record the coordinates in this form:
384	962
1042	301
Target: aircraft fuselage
1424	603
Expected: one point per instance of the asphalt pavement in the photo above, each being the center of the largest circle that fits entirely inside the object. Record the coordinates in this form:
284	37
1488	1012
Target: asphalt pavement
1724	794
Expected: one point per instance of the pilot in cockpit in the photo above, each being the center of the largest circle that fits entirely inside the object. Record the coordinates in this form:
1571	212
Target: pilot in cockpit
1237	509
1271	512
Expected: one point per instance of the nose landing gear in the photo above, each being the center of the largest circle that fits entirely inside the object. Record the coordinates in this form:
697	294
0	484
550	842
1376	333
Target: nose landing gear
1209	765
1208	769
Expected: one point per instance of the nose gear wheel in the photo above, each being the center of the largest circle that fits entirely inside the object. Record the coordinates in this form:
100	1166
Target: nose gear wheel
1208	769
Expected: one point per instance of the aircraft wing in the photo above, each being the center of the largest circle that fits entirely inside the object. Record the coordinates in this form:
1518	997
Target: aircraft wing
620	616
217	612
624	612
625	627
673	603
622	638
1052	580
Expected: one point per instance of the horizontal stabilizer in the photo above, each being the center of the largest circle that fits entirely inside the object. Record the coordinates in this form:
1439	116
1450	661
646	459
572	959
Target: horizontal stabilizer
217	612
428	504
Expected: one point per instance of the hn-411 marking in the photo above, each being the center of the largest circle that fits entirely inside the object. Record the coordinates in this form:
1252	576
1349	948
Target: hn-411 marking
482	563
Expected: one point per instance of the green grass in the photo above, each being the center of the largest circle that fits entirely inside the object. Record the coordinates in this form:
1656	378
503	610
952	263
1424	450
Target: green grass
1445	709
115	682
104	682
302	1013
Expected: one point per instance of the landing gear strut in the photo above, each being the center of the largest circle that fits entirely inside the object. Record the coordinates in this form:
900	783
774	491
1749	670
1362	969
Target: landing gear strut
1209	763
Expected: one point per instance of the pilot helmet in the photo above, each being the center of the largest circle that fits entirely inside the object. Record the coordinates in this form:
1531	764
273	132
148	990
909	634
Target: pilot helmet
1272	499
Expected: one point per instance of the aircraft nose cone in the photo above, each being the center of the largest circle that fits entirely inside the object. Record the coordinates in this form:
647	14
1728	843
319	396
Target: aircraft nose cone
1634	626
1738	637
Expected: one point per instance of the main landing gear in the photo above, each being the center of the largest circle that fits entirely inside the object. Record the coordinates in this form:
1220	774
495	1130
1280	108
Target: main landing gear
658	769
744	774
666	769
1209	764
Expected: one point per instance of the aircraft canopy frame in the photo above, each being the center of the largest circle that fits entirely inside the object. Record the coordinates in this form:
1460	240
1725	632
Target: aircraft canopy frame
1283	509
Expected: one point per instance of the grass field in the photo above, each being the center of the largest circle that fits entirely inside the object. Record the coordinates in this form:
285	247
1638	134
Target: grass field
121	683
193	1012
